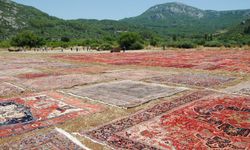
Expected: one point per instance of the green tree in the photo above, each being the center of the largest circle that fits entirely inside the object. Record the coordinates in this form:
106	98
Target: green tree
27	39
130	40
65	39
174	37
247	30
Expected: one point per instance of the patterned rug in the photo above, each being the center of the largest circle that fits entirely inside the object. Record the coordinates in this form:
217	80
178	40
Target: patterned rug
7	89
230	60
202	80
200	120
7	78
135	74
242	88
61	81
49	141
124	93
13	72
20	115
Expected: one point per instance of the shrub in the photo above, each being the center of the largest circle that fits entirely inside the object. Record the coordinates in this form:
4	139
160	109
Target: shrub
130	40
4	44
65	39
230	44
247	30
213	44
27	39
182	44
136	46
186	45
106	46
64	45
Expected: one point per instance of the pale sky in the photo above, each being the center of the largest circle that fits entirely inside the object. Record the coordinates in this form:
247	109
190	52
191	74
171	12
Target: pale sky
119	9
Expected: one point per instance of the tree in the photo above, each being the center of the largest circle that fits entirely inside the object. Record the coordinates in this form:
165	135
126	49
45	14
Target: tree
27	39
65	39
130	40
247	30
174	37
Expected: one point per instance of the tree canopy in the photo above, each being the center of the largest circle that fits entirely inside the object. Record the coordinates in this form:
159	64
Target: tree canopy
27	39
130	41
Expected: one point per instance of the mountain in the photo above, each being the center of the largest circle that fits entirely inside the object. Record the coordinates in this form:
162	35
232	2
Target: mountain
178	18
240	32
15	17
165	19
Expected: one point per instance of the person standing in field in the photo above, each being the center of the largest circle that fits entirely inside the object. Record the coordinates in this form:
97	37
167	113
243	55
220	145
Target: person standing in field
124	48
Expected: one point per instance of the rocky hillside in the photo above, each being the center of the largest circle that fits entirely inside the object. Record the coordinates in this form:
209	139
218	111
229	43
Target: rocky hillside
166	20
16	17
178	18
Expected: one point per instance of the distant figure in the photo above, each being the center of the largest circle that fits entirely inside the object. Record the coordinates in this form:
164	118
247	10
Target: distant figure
71	48
124	49
62	50
77	49
164	47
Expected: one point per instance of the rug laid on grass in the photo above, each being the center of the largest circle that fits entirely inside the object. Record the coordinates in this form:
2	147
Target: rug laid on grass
7	78
7	89
229	60
14	72
242	88
82	69
202	80
124	93
20	115
196	121
60	81
52	140
135	74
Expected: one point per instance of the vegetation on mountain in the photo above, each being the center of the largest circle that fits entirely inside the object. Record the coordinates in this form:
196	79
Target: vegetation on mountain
170	24
177	18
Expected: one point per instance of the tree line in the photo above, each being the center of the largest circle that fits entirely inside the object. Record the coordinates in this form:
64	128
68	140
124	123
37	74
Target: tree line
129	41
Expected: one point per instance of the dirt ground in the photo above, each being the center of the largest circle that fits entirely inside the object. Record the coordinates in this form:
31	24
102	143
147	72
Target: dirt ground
72	75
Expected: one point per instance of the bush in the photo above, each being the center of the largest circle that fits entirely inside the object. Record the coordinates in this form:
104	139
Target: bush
106	46
185	44
199	42
130	40
213	44
4	44
247	30
136	46
64	45
65	39
27	39
230	44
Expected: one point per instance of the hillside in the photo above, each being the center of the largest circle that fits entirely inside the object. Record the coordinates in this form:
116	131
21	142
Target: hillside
178	18
240	32
15	17
165	19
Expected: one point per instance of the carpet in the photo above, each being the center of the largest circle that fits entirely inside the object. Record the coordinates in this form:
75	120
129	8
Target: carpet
242	88
60	81
188	79
18	115
52	140
200	120
7	89
124	93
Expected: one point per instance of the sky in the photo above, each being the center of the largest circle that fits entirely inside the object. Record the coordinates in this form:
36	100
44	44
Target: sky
119	9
